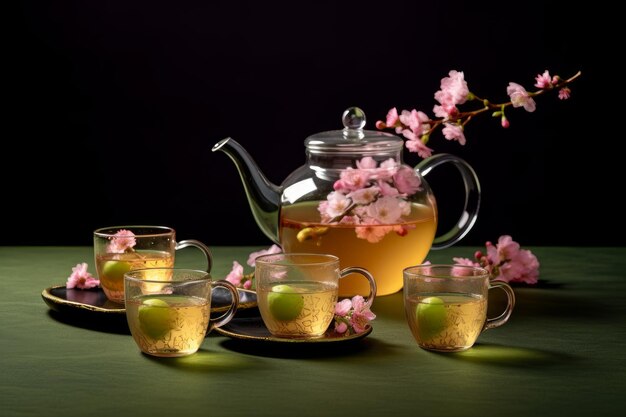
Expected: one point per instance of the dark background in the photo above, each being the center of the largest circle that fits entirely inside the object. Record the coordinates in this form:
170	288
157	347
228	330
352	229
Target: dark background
114	108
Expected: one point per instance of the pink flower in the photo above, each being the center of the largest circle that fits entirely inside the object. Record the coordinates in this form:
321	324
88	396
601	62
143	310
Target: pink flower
341	327
445	111
520	97
340	186
385	210
322	207
392	117
406	180
387	189
409	134
465	261
236	274
353	179
361	316
530	270
81	278
387	169
516	265
360	212
416	145
415	120
454	89
238	278
364	195
506	261
505	249
122	241
353	316
453	132
544	80
403	230
342	308
366	163
425	269
337	204
564	93
372	233
270	251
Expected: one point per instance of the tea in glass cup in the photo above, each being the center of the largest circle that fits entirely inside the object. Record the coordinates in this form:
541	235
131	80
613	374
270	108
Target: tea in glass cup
169	310
446	305
297	292
120	249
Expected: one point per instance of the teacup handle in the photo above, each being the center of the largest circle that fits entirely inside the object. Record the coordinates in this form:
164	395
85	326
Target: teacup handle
230	313
203	248
472	197
356	270
504	317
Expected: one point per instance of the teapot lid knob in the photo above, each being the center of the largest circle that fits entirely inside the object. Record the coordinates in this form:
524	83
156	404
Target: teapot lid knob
353	120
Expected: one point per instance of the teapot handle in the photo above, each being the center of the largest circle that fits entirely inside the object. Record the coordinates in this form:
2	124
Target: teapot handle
472	197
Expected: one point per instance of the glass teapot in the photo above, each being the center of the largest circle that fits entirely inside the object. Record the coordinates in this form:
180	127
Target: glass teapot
355	198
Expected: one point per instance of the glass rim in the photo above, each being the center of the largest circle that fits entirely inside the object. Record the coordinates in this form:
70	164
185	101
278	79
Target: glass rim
135	275
437	271
110	231
280	258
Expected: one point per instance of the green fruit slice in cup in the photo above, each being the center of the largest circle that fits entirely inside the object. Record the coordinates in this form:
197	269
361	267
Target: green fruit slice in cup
285	303
115	270
431	317
155	317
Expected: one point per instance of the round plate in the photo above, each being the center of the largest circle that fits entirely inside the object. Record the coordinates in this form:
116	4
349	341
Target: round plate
253	329
93	300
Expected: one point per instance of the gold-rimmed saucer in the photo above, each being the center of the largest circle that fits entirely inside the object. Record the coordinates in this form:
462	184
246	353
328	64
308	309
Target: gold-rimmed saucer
253	329
94	301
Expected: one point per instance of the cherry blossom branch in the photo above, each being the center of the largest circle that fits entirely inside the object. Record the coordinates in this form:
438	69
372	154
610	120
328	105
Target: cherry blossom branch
506	261
417	127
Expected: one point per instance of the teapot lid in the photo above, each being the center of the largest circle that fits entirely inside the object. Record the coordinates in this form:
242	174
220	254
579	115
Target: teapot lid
353	138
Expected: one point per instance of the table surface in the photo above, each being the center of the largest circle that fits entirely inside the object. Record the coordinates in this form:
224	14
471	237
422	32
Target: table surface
563	351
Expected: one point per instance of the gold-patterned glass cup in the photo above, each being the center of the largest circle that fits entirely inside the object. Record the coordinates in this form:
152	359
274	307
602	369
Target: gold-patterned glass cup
297	292
446	305
169	310
119	249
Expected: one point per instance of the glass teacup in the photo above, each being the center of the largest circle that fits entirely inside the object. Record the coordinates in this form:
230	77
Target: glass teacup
297	292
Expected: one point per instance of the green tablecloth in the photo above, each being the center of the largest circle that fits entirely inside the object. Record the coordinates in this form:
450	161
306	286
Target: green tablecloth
563	352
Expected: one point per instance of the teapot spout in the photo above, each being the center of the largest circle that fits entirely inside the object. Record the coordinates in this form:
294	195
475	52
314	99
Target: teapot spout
263	196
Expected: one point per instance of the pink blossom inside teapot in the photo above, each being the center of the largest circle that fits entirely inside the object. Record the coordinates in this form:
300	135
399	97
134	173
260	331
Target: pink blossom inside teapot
355	198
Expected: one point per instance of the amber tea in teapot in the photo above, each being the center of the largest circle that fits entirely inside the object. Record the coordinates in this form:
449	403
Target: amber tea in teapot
355	198
383	254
